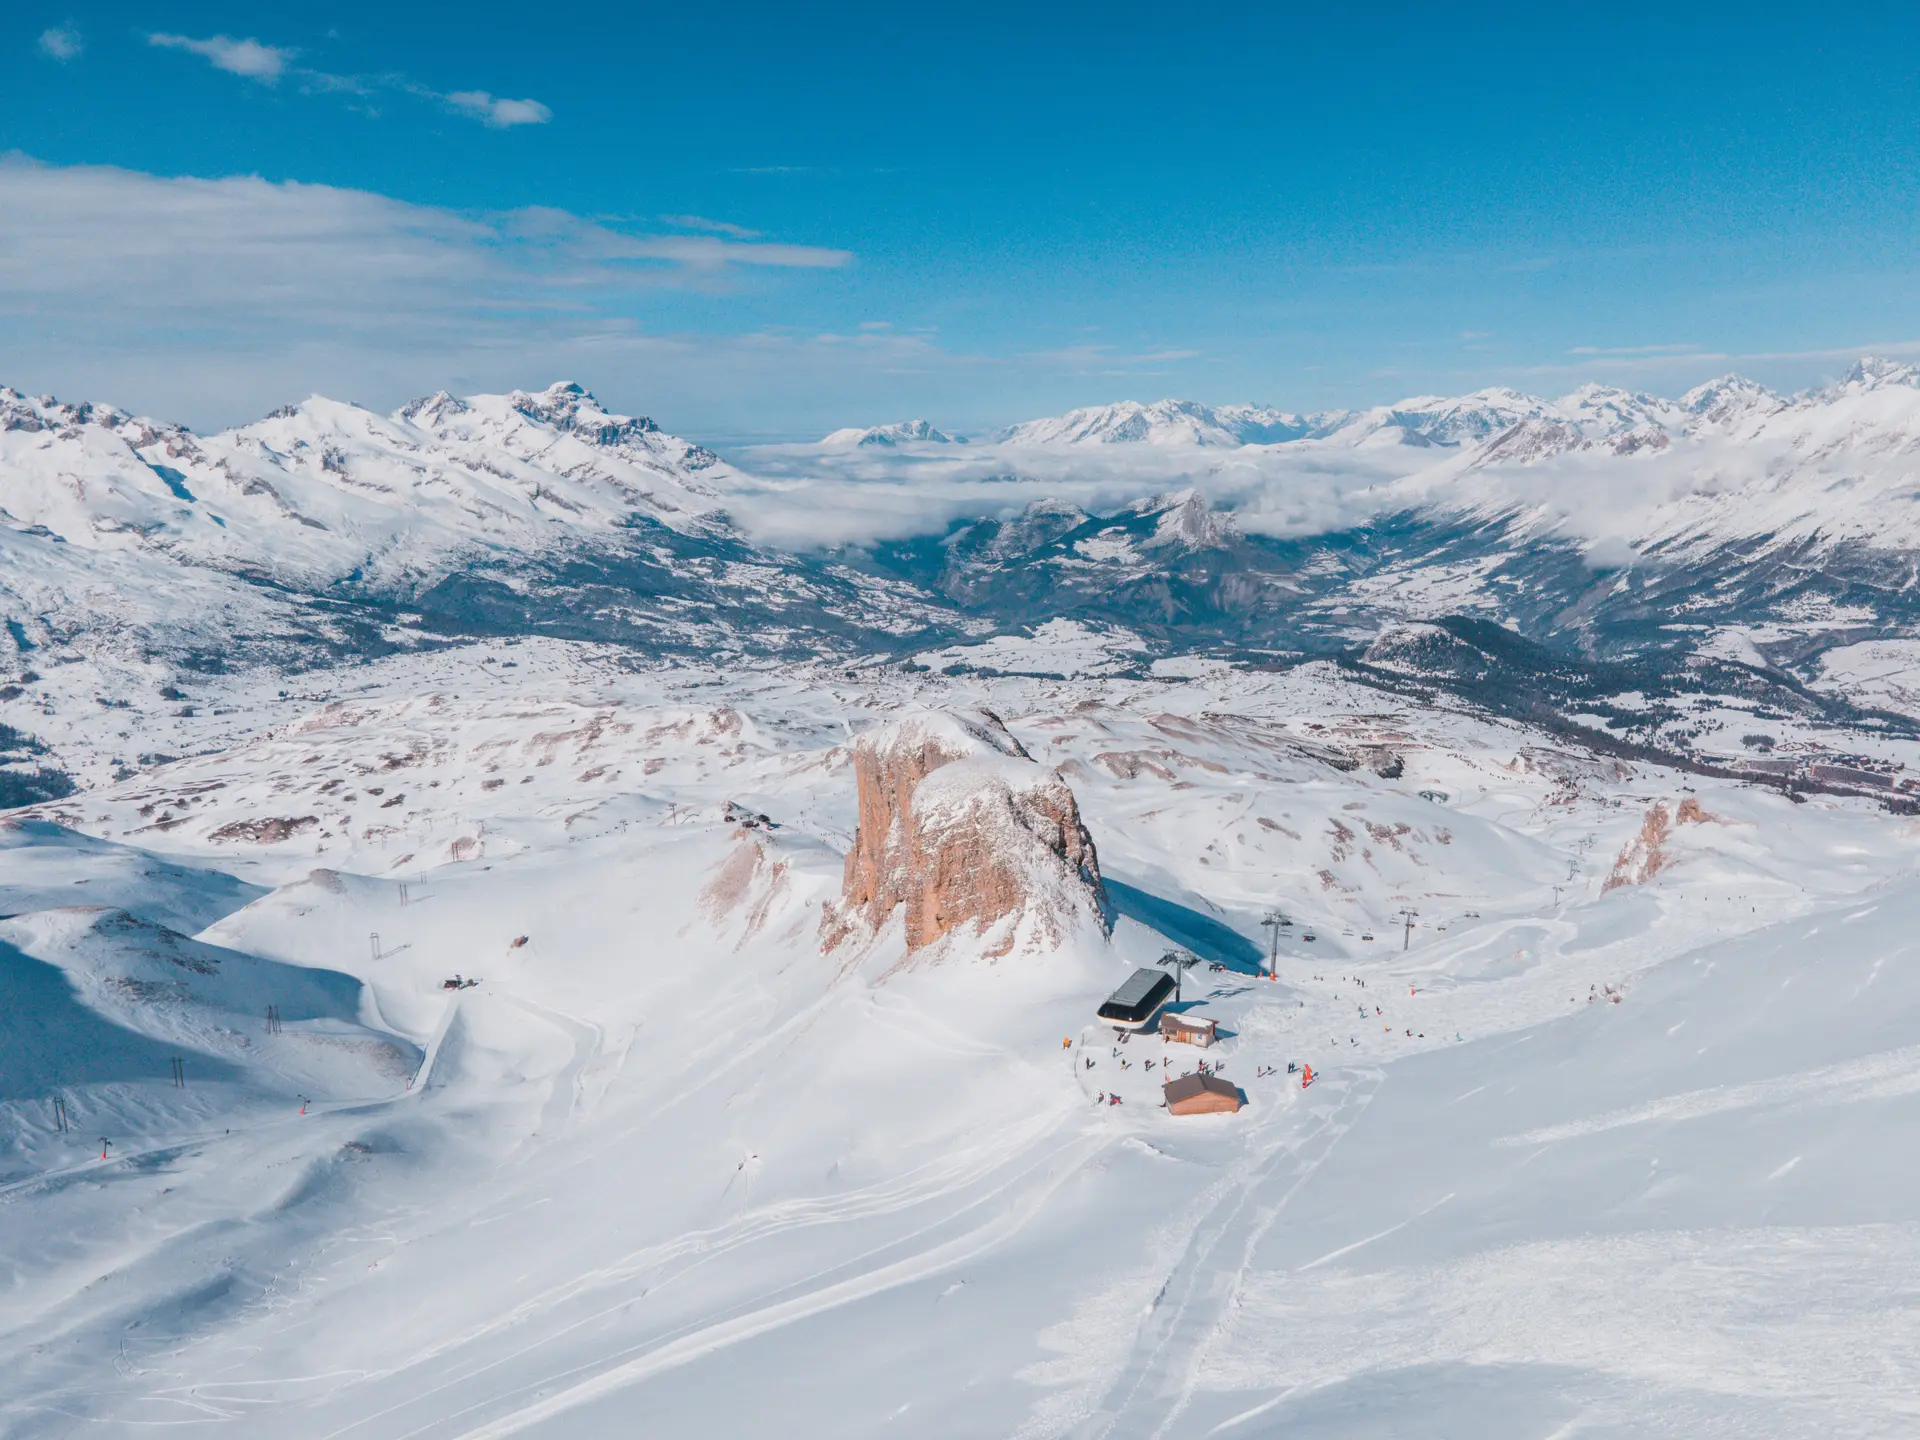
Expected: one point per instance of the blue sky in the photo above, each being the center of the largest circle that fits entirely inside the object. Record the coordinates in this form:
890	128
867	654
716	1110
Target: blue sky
774	220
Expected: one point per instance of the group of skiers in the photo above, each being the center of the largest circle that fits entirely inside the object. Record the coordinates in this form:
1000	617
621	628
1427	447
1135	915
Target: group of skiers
1306	1072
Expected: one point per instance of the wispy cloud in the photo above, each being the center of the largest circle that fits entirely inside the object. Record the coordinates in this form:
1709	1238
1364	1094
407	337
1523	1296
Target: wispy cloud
498	112
1108	359
61	42
268	64
1633	349
706	252
712	227
250	58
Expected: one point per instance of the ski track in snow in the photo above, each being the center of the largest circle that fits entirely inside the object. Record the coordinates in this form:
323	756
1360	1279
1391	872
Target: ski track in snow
1156	1381
1882	1076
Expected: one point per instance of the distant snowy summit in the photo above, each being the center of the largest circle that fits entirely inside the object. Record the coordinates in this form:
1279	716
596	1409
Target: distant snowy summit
1590	414
324	489
1164	422
1593	412
903	432
1529	427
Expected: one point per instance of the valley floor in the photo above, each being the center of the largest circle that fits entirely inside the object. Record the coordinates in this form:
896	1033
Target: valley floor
1613	1139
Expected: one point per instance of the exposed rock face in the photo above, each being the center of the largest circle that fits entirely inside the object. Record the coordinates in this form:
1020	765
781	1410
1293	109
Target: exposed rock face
1645	856
752	884
963	829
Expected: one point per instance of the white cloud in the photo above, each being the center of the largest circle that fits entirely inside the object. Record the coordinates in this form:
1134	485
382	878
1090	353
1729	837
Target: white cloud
715	227
804	496
499	113
61	42
96	235
195	297
706	252
265	63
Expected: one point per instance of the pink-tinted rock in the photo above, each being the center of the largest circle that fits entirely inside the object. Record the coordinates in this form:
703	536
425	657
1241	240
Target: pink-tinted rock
961	828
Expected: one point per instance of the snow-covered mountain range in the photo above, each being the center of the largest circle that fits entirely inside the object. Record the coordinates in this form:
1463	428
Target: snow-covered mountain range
1594	412
322	489
1730	526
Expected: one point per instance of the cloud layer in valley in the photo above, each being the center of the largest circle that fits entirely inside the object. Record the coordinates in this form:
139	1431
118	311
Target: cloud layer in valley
805	496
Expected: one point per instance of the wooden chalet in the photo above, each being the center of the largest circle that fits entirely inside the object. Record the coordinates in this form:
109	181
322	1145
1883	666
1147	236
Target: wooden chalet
1188	1029
1202	1095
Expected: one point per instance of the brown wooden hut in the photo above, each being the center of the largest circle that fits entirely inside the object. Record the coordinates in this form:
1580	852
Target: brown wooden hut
1202	1095
1189	1029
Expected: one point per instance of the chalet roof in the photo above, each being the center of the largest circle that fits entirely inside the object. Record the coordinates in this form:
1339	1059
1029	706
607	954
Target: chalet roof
1188	1086
1174	1021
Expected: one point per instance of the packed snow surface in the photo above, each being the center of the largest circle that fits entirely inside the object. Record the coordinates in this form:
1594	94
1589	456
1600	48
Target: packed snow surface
564	1126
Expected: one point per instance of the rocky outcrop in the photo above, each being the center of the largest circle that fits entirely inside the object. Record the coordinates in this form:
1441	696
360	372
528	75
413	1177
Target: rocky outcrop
1646	855
961	830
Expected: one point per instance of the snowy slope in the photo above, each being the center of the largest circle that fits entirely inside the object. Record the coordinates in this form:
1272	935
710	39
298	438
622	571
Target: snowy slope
1827	470
667	1159
569	1124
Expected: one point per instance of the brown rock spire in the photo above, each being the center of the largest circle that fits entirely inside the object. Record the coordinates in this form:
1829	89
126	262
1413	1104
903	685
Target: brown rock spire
960	827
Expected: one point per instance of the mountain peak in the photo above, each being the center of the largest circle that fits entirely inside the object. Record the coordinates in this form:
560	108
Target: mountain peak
567	406
1727	398
1182	519
1875	372
1160	422
901	432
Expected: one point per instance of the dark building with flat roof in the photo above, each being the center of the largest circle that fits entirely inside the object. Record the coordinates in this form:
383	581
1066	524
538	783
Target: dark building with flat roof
1135	1002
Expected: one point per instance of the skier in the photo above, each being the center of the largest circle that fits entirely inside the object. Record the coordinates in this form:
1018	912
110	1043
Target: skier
1306	1077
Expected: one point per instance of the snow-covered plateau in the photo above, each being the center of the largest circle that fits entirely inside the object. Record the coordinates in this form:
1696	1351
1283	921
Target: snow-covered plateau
501	933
